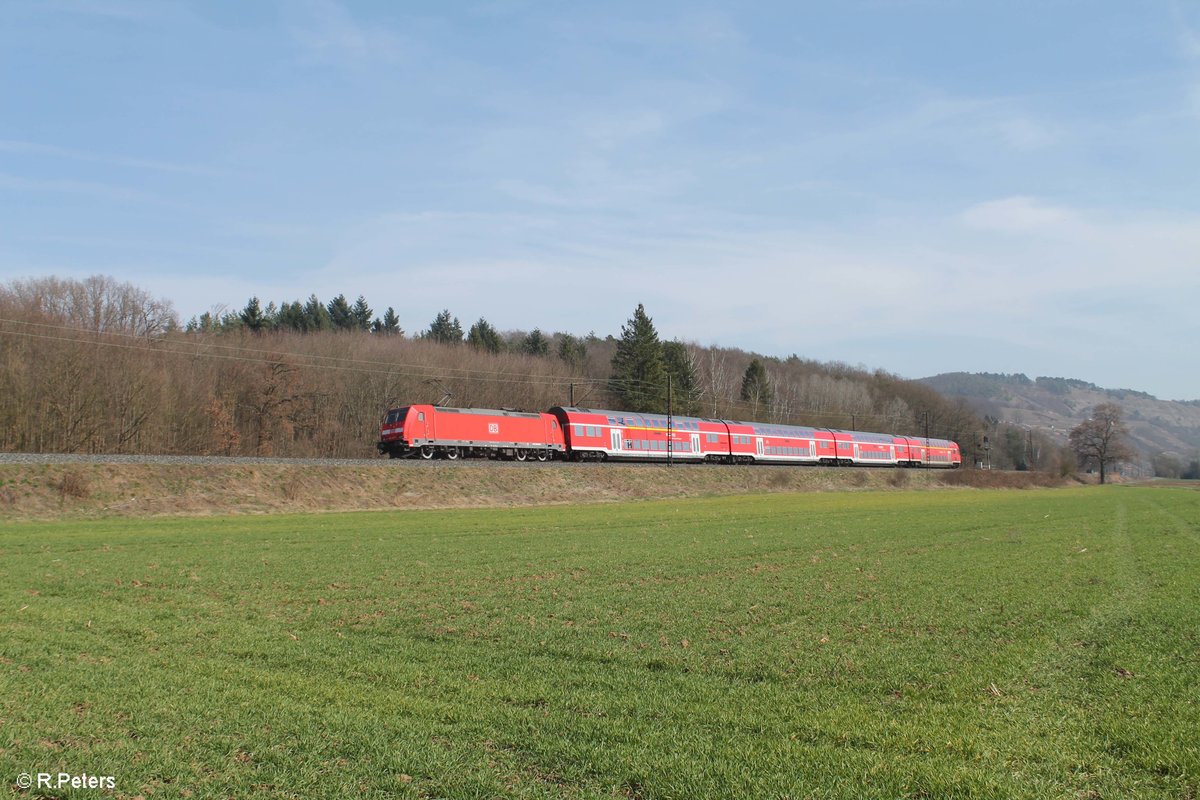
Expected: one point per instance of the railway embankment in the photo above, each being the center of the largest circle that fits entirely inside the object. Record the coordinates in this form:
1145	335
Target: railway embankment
108	488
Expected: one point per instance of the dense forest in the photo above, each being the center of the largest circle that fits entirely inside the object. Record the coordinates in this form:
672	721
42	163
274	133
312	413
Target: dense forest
101	366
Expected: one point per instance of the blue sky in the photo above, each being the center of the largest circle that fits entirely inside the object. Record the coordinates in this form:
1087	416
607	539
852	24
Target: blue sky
922	186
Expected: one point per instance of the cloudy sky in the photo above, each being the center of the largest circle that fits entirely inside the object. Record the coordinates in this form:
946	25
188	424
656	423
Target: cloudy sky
923	186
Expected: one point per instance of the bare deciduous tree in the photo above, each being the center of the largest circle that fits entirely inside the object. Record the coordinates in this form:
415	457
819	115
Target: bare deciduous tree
1101	439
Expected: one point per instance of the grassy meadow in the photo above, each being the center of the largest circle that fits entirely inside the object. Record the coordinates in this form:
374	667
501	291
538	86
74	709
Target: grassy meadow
961	643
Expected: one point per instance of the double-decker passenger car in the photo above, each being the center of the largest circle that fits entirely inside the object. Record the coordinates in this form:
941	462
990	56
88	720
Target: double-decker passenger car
603	435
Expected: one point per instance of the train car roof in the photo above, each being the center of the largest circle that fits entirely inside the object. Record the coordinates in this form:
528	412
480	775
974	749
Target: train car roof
627	414
488	412
867	437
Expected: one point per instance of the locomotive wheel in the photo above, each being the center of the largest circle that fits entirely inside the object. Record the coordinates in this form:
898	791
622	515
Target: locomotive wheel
542	455
452	453
426	452
522	455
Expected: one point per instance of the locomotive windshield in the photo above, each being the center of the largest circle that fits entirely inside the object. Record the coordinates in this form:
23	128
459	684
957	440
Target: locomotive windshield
396	416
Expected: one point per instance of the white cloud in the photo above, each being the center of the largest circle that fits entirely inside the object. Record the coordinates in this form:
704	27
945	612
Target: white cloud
1021	215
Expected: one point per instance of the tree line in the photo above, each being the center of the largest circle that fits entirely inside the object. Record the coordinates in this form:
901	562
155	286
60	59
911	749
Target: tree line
102	366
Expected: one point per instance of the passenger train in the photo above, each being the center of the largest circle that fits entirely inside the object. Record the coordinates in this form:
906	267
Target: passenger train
581	434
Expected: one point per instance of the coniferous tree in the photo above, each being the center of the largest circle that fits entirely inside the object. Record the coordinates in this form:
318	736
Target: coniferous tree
483	336
572	351
316	316
638	380
536	343
390	324
341	316
445	329
756	387
205	324
685	392
252	316
291	316
362	313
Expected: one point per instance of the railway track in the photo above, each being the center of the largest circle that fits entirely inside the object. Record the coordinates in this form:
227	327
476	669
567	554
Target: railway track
74	458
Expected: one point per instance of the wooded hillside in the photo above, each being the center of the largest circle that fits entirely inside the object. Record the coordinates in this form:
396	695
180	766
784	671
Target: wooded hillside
99	366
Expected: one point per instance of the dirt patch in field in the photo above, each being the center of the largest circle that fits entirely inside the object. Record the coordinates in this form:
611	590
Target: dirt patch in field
105	490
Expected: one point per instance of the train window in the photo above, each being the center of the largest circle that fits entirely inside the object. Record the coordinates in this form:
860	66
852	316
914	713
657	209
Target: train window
579	430
420	416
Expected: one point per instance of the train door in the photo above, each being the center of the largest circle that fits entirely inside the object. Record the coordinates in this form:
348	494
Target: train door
696	443
616	440
758	445
420	429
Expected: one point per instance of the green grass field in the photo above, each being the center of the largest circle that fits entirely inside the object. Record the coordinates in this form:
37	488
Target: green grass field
906	644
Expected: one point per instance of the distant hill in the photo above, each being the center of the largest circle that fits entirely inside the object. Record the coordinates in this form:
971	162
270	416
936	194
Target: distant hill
1055	405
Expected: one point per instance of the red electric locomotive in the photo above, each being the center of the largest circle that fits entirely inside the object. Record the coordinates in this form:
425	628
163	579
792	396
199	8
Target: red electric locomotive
424	431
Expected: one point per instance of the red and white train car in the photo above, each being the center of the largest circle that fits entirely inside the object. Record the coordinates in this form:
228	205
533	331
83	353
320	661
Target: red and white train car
425	431
915	451
604	435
